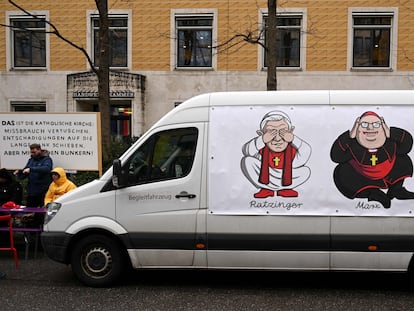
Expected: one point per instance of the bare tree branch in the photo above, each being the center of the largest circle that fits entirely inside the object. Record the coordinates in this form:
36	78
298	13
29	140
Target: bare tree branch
54	31
240	38
101	71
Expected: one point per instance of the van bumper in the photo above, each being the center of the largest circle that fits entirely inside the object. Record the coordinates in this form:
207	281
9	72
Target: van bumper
55	245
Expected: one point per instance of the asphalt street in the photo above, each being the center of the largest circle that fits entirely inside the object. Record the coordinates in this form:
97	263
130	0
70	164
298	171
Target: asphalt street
41	284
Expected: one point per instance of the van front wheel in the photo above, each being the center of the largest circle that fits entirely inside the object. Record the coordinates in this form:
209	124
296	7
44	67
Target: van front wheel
97	260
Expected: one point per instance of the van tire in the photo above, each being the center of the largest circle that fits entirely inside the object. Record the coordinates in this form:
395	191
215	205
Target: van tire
97	261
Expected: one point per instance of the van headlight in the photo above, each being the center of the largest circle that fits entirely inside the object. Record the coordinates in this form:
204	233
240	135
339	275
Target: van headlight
52	209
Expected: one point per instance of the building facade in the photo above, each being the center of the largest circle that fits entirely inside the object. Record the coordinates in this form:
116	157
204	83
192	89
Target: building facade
165	52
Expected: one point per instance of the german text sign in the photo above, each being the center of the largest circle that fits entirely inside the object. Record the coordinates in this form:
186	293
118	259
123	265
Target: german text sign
72	139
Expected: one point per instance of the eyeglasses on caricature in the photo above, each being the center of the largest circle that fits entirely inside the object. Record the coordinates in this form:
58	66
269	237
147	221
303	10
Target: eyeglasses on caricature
375	125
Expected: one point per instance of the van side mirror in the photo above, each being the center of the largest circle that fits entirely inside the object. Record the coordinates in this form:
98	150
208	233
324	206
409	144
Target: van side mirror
118	176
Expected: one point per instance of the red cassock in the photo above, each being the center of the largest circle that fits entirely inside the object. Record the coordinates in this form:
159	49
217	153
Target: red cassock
277	160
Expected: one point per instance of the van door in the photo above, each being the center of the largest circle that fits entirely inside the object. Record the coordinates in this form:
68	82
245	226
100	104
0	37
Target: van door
161	201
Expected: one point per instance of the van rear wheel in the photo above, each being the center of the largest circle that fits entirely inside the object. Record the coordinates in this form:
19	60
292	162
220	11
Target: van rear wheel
97	260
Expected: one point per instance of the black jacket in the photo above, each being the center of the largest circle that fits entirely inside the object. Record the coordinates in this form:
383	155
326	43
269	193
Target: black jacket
10	189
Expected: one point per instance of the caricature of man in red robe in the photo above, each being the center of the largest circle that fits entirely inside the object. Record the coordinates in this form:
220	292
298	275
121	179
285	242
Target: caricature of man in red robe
274	161
372	156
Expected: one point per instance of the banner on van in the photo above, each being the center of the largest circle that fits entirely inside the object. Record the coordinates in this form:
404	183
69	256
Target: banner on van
311	160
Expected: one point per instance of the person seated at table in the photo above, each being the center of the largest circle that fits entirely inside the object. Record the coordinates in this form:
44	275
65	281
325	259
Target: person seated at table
59	186
10	189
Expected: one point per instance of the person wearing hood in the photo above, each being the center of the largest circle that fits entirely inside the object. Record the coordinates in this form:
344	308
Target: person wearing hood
10	189
59	186
37	171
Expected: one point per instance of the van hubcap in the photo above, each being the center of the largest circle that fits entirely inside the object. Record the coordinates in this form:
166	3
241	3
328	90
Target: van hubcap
97	262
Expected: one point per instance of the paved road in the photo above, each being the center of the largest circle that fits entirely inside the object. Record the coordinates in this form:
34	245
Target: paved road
41	284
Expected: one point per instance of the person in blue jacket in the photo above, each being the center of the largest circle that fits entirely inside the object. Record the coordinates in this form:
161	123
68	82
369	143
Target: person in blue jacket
37	171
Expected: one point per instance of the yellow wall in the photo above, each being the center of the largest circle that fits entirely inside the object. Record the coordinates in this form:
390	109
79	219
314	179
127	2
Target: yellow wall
2	49
327	33
406	37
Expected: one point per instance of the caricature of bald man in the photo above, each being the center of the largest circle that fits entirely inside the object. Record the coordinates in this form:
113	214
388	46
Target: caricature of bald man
372	156
274	161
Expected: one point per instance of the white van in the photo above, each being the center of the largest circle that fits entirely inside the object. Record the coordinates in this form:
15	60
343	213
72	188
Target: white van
286	180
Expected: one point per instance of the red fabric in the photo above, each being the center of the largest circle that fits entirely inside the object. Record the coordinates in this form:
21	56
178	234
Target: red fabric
264	169
375	172
10	204
287	158
287	167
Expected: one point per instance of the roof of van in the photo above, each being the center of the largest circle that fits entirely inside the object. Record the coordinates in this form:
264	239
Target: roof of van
302	97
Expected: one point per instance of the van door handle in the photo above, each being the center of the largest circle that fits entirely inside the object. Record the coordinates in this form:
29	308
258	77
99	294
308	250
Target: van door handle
184	194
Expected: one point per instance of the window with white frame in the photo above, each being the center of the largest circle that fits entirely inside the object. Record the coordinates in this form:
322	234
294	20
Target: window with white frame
372	39
194	35
288	36
118	40
28	42
21	106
